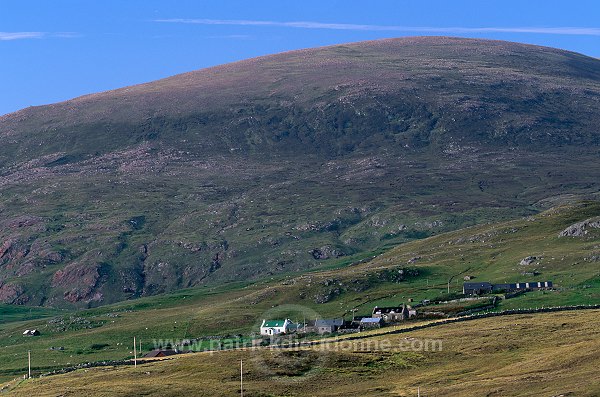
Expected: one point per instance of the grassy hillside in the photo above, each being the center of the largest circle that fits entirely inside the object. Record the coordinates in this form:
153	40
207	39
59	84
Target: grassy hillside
527	355
287	163
12	313
487	252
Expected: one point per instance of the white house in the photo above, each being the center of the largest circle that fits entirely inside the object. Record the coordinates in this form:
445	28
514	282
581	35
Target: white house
275	327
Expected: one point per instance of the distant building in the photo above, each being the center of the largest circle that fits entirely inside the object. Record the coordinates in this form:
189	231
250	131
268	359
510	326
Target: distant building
370	322
275	327
485	287
477	288
328	326
157	353
523	286
350	325
392	314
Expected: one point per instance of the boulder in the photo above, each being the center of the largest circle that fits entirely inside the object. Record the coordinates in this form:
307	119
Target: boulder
528	261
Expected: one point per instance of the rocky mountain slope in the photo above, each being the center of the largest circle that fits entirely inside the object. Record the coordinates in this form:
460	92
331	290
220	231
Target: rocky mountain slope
522	250
281	163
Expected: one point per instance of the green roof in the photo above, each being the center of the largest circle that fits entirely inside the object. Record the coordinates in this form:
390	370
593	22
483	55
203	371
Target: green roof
274	323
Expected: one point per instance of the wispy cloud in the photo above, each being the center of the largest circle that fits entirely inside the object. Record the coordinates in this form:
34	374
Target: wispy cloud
232	37
582	31
66	35
6	36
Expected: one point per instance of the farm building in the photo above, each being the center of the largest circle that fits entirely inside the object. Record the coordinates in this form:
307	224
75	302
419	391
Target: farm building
156	353
485	287
275	327
523	286
370	322
477	288
328	326
393	314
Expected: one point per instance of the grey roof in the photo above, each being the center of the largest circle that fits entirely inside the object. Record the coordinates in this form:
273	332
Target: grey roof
370	320
336	322
484	284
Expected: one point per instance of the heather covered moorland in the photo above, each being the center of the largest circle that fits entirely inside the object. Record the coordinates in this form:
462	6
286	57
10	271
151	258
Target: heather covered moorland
298	161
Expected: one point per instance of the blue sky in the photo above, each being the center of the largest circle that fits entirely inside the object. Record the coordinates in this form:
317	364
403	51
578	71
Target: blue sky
59	49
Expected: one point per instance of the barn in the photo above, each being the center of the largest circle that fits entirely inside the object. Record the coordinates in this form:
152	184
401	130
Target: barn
477	288
157	353
327	326
485	287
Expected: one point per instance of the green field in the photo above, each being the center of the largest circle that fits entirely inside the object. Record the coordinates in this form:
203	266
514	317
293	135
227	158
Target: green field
12	313
487	253
521	355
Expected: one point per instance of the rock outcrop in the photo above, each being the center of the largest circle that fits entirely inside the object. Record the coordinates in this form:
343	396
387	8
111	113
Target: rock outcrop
12	294
326	252
580	229
79	279
528	261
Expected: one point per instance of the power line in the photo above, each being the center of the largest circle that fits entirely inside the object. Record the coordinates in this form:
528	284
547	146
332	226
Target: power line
242	378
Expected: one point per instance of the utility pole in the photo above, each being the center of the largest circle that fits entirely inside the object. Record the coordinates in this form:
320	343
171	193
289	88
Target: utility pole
419	391
134	353
29	363
242	378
